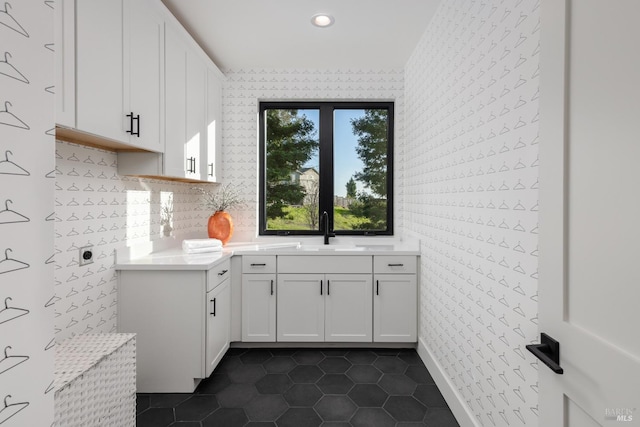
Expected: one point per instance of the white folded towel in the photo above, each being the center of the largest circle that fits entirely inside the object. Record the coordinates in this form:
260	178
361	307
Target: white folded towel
203	250
201	243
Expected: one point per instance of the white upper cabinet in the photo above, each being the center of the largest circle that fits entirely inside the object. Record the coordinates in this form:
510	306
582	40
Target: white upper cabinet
192	114
99	66
175	152
186	107
65	66
119	71
214	126
196	137
129	76
143	64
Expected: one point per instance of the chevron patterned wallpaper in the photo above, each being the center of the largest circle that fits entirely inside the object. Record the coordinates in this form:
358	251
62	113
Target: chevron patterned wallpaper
245	88
471	196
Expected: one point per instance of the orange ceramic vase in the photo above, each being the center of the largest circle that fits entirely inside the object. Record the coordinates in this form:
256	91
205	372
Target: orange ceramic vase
220	226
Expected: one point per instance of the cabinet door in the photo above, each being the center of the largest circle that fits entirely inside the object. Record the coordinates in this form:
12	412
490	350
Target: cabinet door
196	107
218	325
65	65
99	77
348	308
259	307
213	127
395	308
143	28
300	307
175	151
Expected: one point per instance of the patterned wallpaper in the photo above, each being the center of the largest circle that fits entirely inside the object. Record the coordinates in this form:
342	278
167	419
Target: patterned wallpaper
471	196
245	88
96	206
26	209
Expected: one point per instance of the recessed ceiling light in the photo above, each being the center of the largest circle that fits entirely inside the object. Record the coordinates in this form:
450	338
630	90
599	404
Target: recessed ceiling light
322	20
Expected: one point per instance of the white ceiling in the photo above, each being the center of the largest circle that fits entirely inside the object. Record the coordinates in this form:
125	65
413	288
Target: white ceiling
278	33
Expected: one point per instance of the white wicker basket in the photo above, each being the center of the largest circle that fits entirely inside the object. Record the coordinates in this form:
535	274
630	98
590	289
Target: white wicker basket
95	381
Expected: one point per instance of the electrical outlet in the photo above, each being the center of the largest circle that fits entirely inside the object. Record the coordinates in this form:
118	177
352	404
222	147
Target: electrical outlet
86	255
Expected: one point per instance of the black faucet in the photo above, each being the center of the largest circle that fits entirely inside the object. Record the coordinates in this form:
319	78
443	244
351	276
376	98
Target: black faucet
325	223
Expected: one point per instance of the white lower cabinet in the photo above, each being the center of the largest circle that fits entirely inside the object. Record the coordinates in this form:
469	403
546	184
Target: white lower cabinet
218	324
181	336
395	308
300	307
395	299
324	307
258	307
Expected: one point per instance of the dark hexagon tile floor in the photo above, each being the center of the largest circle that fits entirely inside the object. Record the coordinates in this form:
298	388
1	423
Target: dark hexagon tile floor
305	388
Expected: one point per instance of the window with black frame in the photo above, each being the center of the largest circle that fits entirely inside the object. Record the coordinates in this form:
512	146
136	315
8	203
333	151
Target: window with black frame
333	157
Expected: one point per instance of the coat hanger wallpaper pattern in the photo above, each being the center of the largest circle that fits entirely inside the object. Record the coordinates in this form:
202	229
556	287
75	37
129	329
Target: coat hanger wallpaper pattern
26	147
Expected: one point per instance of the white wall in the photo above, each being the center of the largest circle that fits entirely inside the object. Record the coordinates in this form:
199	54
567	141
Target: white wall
26	206
245	88
96	206
471	196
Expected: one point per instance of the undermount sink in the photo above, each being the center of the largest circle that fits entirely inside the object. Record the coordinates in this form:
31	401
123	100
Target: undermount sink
329	248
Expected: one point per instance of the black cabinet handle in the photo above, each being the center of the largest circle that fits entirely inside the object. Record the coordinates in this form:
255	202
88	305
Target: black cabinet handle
320	287
214	307
272	287
395	265
258	265
548	351
223	272
328	289
211	169
131	120
191	164
377	287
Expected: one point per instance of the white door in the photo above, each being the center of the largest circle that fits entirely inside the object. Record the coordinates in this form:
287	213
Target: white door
218	324
214	127
99	79
395	308
143	72
589	282
300	307
196	107
348	308
259	307
175	56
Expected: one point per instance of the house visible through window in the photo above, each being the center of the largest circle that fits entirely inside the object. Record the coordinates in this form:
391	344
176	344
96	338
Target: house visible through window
326	157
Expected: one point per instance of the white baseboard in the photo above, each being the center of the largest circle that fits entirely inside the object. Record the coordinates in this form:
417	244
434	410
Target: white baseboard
456	403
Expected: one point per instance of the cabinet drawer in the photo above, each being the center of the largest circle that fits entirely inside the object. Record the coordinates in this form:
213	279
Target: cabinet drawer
259	264
395	264
218	274
324	264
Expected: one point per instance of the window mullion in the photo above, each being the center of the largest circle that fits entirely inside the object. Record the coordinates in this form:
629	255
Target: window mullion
326	162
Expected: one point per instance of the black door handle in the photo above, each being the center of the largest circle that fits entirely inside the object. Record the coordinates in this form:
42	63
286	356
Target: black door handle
131	119
377	287
320	287
272	287
328	284
548	351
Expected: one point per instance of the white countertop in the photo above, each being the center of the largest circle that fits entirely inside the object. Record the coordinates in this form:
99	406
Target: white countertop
176	259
